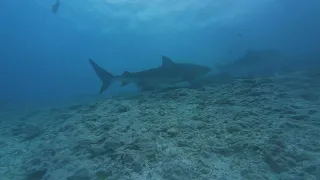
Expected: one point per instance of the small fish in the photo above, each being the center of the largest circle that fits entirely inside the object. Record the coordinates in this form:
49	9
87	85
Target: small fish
167	74
55	7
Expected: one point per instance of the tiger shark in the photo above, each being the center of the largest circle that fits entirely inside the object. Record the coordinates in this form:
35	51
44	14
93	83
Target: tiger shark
168	73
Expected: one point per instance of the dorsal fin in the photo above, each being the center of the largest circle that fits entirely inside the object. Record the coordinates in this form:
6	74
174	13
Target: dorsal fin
166	62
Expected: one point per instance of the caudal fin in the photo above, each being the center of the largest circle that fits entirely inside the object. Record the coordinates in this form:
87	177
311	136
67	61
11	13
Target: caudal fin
105	76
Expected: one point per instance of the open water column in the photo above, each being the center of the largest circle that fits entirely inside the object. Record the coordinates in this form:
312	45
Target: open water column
159	90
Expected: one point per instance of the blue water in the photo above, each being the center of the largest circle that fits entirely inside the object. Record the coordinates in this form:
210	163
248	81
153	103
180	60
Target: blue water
44	55
44	62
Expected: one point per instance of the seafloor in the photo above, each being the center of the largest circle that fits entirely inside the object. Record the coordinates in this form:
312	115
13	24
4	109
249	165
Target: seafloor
244	129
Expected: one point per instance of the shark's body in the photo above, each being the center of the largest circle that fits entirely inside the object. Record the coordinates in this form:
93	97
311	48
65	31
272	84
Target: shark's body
168	73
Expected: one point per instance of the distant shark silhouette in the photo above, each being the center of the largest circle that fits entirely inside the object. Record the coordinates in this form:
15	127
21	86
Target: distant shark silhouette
55	7
257	63
168	73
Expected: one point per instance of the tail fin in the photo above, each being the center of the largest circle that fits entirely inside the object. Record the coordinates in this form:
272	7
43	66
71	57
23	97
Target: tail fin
105	76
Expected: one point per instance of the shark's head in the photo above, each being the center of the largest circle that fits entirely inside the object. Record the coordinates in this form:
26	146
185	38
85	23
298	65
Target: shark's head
200	71
205	69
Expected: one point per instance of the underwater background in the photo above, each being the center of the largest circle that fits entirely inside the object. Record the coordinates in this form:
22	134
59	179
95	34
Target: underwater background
44	56
264	90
